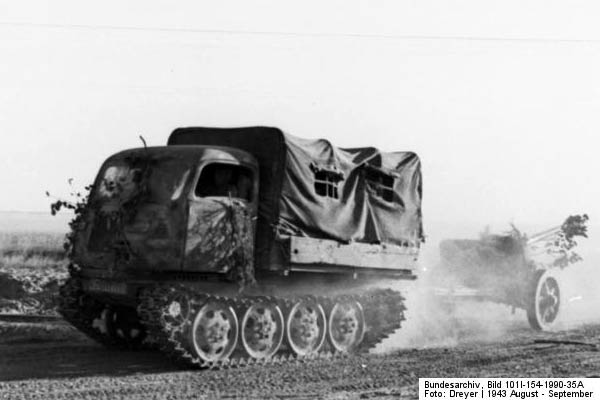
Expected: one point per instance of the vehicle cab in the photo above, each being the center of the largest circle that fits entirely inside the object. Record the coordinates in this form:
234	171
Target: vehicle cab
163	209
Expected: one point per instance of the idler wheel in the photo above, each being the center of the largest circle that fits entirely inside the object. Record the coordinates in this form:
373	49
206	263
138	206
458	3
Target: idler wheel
544	304
262	329
214	331
305	327
346	325
123	324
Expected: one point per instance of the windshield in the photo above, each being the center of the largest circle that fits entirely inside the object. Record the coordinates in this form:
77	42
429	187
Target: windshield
160	179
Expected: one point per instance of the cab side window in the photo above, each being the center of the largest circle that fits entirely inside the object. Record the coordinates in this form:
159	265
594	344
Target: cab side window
225	180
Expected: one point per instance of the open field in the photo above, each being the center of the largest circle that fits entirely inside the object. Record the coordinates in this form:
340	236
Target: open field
33	249
32	265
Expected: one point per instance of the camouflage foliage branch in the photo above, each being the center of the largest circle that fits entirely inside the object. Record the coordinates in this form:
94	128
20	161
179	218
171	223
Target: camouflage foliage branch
226	236
563	244
78	204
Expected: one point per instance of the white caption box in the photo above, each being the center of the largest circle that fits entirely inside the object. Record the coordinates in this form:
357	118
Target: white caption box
509	388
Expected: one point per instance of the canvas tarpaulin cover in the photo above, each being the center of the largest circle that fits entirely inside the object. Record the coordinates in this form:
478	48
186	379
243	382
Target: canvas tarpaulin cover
312	188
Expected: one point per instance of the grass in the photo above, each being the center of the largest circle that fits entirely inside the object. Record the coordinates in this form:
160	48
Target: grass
32	266
31	249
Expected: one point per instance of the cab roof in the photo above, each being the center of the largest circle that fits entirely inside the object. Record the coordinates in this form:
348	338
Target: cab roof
187	153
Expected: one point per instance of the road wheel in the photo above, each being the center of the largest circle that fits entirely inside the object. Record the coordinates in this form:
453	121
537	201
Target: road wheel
306	327
544	302
123	325
262	329
346	325
214	331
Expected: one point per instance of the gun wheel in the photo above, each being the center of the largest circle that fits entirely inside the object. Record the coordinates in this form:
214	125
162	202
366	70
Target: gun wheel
545	304
305	327
214	331
346	327
262	330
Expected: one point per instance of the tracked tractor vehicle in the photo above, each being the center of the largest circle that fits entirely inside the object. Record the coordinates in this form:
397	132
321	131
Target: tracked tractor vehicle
231	246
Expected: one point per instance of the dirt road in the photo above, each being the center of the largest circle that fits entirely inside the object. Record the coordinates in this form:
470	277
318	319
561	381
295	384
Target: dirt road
56	363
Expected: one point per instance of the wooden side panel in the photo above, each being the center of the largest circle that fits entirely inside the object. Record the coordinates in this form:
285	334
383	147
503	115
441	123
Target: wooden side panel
311	251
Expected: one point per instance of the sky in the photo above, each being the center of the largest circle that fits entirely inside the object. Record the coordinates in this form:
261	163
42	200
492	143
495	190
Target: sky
501	100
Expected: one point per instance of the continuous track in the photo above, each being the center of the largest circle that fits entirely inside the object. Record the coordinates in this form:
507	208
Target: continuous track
170	332
93	317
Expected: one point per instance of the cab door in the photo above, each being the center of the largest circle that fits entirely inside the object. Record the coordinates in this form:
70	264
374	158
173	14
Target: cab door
221	221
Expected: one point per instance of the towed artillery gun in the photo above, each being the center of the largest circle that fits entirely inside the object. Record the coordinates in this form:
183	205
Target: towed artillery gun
248	244
512	269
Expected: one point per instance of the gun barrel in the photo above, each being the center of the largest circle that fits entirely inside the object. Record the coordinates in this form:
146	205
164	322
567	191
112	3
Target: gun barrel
544	235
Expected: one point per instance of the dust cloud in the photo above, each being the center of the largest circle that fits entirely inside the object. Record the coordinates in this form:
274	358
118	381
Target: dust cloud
580	285
434	318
